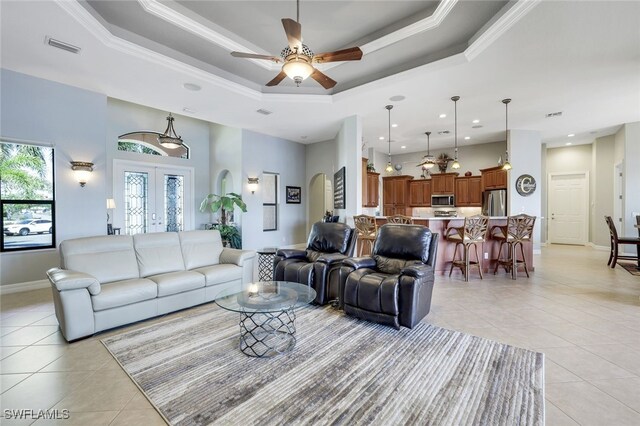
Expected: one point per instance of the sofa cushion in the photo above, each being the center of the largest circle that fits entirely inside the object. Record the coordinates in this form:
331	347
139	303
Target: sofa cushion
222	273
200	248
108	258
177	282
158	253
121	293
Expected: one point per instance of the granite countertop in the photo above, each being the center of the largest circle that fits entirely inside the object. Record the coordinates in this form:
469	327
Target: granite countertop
444	218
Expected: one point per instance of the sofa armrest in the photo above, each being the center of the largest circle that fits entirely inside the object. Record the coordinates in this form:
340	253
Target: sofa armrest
292	254
417	271
331	258
236	256
360	262
64	279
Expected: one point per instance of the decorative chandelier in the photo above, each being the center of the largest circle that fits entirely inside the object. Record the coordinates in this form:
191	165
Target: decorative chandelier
455	165
427	161
507	164
389	168
170	139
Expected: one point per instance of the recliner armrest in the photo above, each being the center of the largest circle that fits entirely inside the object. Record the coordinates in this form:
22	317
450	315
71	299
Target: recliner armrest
331	258
64	279
360	262
236	256
292	254
417	271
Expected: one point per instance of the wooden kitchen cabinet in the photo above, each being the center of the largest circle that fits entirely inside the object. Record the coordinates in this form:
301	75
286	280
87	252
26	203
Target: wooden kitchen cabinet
395	194
372	190
494	178
443	183
468	191
420	193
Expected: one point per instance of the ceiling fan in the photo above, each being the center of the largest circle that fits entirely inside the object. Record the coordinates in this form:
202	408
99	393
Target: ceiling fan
298	59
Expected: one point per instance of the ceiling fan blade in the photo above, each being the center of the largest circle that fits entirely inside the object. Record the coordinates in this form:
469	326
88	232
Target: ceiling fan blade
277	79
255	56
350	54
323	79
293	30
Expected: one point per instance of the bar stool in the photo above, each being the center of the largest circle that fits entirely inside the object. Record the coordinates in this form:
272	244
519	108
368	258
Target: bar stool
366	231
472	233
517	231
401	219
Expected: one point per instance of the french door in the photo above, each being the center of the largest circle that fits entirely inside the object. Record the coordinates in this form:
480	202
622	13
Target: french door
152	198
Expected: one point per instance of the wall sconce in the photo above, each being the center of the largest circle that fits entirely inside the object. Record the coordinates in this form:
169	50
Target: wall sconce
253	184
82	170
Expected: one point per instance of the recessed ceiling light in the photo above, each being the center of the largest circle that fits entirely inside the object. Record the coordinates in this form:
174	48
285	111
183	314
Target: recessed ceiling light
475	121
397	98
403	147
381	138
568	143
189	110
443	115
191	86
466	138
570	135
394	125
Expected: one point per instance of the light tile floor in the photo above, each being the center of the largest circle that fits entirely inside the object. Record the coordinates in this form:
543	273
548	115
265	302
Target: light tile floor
584	316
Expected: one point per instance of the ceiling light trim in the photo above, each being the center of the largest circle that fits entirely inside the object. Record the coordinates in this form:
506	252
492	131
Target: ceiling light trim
510	16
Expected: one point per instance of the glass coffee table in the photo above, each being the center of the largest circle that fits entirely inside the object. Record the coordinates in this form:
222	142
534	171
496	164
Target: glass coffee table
267	314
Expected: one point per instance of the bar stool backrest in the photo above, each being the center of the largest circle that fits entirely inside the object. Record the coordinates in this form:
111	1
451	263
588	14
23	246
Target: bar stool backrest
366	226
520	227
401	219
475	227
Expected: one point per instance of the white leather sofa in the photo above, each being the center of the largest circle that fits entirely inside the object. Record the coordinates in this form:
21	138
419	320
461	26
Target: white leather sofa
108	281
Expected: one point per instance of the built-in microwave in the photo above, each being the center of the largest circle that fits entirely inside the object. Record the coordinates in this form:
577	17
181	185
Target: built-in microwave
442	201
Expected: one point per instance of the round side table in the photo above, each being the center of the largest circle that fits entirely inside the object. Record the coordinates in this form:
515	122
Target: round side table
265	263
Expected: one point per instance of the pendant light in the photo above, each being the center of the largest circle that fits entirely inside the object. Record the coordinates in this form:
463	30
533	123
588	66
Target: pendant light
389	168
169	139
427	161
507	164
455	165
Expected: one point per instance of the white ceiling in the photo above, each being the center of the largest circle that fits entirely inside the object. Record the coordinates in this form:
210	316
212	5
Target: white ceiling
581	58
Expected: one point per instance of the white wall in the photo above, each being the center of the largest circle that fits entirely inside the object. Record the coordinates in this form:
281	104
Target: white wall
525	157
602	203
320	157
262	153
74	121
631	194
350	156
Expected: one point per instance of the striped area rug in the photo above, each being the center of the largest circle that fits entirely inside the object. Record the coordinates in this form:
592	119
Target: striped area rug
342	371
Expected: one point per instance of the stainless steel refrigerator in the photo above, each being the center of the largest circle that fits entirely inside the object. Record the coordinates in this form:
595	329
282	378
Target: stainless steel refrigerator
494	203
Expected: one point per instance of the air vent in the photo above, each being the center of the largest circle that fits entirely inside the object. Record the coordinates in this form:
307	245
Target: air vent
444	132
477	126
264	111
554	114
62	45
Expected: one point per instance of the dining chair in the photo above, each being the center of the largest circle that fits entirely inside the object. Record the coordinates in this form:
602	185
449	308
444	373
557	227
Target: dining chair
616	241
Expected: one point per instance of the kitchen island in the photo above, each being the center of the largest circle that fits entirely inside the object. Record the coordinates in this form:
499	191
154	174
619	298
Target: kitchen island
488	253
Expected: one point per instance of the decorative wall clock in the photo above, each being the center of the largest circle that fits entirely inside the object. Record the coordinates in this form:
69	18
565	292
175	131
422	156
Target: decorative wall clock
525	185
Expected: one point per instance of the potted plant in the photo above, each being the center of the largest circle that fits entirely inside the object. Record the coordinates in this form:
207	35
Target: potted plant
225	204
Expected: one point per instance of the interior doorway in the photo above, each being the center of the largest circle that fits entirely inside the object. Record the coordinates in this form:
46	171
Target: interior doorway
152	198
320	198
568	204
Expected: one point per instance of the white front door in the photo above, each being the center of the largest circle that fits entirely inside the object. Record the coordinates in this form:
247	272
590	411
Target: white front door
152	198
568	208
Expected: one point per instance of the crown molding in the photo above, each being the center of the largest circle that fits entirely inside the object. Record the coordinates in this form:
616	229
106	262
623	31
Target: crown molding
174	17
508	19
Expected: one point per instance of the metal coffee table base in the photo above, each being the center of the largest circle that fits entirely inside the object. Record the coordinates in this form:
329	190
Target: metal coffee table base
265	334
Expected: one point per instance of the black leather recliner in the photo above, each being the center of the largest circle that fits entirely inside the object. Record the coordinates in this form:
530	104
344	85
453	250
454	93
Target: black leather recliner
328	245
393	286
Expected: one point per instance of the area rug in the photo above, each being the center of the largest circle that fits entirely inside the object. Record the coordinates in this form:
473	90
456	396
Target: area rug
341	371
631	268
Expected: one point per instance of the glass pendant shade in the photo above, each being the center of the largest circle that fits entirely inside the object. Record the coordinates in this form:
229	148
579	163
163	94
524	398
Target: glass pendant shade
427	161
389	168
169	139
455	165
298	69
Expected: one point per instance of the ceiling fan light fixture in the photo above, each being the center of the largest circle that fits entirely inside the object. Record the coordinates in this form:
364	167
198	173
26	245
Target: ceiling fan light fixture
298	69
170	139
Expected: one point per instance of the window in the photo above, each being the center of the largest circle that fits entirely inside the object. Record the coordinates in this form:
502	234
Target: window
147	143
270	202
26	197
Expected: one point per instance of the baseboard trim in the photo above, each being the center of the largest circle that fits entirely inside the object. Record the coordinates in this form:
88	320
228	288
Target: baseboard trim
601	248
26	286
